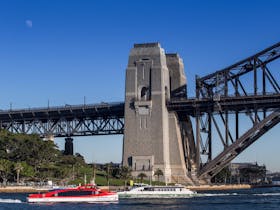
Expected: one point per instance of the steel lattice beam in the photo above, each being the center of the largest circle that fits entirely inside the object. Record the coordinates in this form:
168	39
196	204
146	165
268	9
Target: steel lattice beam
230	152
81	120
247	89
230	103
240	68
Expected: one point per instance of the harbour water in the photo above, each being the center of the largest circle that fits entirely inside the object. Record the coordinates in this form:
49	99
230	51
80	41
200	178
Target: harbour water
257	199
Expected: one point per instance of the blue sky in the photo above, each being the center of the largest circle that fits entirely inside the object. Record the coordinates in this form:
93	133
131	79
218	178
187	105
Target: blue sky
62	51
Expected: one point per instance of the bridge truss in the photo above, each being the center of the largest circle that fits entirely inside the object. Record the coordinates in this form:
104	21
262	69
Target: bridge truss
81	120
249	92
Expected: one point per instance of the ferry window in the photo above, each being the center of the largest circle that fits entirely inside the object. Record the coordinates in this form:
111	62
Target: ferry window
75	193
95	192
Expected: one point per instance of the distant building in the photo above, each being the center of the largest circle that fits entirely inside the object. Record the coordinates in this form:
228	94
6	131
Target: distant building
250	173
274	178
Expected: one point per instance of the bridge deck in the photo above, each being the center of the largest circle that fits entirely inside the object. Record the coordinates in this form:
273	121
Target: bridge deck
108	110
231	104
68	112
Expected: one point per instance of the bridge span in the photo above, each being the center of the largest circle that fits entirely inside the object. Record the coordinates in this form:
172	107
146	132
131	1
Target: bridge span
66	121
108	118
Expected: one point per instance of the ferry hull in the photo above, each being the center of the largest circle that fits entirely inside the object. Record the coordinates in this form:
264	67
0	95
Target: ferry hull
155	195
157	192
89	199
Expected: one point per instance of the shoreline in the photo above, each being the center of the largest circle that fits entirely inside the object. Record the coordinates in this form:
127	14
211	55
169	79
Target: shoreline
228	187
25	189
21	189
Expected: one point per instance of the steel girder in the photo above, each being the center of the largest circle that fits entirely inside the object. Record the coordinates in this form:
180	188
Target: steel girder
65	128
248	89
239	145
231	103
81	120
217	82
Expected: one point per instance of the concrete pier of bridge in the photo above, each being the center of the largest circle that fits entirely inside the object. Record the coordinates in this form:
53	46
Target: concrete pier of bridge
68	148
155	138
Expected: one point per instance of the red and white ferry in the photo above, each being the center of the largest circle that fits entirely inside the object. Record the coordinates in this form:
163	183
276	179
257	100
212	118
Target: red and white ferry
86	193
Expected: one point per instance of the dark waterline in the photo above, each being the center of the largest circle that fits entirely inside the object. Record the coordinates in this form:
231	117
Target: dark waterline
256	199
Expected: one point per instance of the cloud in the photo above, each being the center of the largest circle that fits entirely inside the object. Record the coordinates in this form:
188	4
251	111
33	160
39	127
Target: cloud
29	23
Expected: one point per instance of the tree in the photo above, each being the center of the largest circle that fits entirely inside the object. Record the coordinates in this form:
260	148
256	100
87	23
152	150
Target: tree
93	172
18	168
108	172
158	173
28	156
222	176
28	148
116	172
5	170
253	174
27	171
125	174
142	176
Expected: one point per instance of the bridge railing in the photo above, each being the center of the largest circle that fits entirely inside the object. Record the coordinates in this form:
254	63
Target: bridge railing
65	107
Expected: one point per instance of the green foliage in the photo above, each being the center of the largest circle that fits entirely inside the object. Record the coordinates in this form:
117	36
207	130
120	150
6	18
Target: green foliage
116	172
142	176
252	174
158	173
125	173
29	157
27	171
108	172
28	148
18	168
102	181
5	169
222	176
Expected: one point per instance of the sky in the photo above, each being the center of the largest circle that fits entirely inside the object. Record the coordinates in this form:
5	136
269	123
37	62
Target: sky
60	52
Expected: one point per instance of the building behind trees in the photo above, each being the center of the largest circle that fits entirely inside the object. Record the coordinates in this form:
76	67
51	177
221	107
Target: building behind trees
242	173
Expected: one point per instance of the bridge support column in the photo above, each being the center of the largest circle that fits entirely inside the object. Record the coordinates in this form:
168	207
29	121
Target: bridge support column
152	135
68	149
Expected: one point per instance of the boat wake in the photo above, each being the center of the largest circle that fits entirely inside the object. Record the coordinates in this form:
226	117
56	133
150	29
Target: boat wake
155	196
233	194
10	200
214	194
179	196
267	194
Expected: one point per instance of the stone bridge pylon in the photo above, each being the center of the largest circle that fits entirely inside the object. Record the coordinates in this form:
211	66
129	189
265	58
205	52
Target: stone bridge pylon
155	138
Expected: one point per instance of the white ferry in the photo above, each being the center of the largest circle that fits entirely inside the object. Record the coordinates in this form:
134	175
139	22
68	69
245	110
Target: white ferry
148	191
